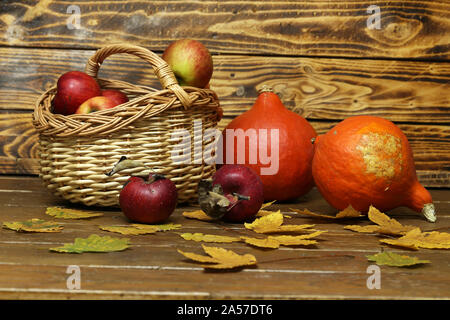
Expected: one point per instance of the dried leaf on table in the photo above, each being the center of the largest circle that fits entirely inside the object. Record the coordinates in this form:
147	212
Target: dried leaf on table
94	243
262	243
292	240
197	214
387	225
272	223
416	239
383	224
262	213
348	212
33	225
363	229
66	213
395	260
221	258
138	228
208	238
129	230
267	204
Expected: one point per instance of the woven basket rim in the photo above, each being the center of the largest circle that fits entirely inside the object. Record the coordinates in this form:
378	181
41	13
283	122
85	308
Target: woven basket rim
146	102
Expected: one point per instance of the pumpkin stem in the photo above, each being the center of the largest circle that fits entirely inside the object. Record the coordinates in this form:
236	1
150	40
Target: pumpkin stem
265	88
429	212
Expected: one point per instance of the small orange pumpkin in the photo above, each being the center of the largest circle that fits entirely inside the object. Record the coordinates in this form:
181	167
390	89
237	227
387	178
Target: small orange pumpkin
292	176
367	160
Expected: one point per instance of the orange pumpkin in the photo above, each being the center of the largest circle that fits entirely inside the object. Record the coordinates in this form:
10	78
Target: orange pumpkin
367	160
283	136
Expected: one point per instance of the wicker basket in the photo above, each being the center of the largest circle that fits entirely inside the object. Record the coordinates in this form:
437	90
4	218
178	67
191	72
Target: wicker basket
77	150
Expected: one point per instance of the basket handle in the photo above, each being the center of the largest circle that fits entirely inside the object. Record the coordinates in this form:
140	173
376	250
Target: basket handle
160	67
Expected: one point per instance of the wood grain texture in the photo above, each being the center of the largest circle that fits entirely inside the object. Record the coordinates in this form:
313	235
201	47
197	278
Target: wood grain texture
408	29
328	89
429	143
336	268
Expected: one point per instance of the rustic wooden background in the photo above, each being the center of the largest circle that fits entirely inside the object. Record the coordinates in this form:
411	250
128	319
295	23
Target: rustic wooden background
320	56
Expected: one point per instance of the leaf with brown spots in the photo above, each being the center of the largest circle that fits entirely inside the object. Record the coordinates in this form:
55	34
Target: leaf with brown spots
348	212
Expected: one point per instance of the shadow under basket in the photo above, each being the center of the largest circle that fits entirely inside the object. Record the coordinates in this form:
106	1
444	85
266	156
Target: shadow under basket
170	131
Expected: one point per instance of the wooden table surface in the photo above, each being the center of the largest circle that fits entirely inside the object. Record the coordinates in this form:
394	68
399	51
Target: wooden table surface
336	268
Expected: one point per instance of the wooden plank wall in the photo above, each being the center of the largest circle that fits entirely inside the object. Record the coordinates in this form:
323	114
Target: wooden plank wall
320	56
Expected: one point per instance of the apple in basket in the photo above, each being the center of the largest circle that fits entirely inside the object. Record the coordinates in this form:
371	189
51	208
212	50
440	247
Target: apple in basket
148	200
96	104
235	193
74	88
190	61
117	96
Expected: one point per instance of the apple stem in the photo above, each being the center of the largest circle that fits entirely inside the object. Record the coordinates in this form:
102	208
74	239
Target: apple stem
240	196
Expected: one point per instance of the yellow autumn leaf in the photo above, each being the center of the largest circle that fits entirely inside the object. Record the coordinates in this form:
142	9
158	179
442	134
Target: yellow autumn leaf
273	242
129	230
66	213
292	240
262	243
197	214
387	225
208	237
220	258
363	229
33	225
267	204
348	212
159	227
394	260
416	239
262	213
139	229
272	223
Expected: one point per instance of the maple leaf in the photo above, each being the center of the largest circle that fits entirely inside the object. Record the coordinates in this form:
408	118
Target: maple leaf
267	204
220	258
262	243
394	259
33	225
416	239
66	213
383	224
348	212
208	237
387	225
197	214
272	223
94	243
262	213
273	242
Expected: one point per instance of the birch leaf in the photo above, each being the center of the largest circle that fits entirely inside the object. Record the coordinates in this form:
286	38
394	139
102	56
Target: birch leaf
416	239
33	225
221	258
94	243
66	213
395	260
208	237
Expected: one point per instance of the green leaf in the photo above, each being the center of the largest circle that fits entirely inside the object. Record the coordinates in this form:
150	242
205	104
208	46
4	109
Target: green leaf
94	243
395	260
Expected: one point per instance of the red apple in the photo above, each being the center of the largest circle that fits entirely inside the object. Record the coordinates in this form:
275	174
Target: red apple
149	200
115	95
74	88
95	104
190	61
235	193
